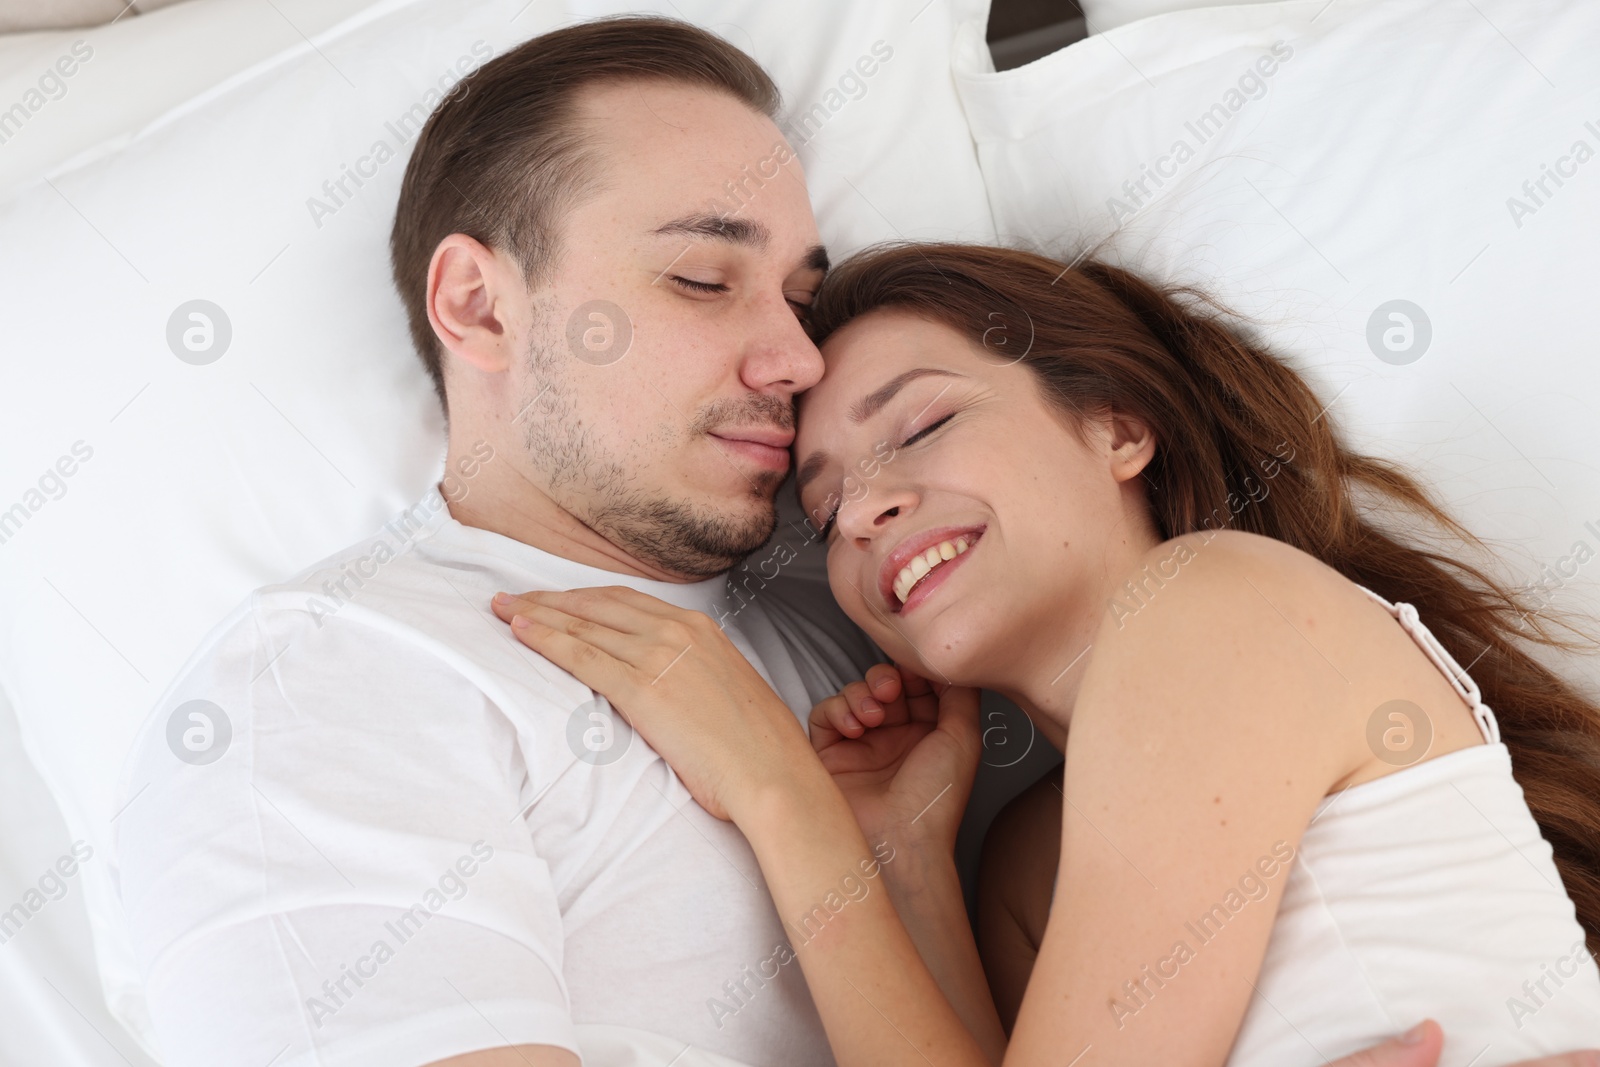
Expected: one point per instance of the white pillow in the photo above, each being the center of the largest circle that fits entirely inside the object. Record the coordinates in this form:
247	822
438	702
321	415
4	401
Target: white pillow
75	97
1355	154
143	496
1102	15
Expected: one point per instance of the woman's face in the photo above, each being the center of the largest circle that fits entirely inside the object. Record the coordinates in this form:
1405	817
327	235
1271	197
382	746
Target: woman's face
970	532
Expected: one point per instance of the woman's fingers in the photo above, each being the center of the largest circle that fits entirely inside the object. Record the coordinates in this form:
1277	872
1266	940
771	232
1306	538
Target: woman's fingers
860	706
922	702
587	662
883	680
618	645
864	708
594	639
625	610
1418	1047
831	720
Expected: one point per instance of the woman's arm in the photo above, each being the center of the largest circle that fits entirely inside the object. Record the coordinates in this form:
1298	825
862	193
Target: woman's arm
878	1000
676	677
1206	730
742	754
904	753
926	891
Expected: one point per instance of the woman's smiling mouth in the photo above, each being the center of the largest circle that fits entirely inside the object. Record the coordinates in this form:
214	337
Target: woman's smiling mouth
922	561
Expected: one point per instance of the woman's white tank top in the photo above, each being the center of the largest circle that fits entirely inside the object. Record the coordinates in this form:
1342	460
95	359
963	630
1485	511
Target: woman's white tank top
1428	893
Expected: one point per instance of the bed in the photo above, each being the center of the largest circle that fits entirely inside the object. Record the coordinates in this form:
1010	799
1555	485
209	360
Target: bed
1368	184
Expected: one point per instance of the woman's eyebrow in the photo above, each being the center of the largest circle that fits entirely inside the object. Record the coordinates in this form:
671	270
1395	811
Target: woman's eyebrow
809	470
873	402
863	410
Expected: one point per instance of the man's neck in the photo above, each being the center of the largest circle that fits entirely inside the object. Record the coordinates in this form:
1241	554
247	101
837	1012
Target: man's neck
503	502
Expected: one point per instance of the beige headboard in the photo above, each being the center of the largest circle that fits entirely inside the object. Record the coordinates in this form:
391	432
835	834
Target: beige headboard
18	16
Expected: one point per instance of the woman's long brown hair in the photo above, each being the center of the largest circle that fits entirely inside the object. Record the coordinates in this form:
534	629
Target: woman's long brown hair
1100	338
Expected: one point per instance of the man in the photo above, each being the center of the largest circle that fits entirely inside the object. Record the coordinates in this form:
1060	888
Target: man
372	828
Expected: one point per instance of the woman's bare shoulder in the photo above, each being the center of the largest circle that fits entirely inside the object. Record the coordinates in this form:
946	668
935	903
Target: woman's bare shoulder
1211	585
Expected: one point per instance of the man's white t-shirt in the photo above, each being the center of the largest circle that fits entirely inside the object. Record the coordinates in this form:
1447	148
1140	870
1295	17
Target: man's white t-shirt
367	826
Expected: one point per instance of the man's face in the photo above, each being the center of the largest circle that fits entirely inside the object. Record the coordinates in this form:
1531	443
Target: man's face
701	245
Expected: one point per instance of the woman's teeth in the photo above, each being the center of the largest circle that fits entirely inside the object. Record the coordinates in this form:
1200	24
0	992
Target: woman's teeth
923	565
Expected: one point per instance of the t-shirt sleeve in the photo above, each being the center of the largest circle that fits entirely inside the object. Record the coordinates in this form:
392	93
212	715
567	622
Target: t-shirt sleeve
322	857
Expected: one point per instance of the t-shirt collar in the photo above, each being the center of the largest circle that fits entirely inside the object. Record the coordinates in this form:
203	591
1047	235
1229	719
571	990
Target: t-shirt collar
708	596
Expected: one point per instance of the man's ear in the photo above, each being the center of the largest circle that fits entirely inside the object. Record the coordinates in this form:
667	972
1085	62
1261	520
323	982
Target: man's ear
1132	443
473	295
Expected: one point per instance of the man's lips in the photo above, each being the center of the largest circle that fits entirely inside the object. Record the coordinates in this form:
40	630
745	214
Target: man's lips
766	446
914	546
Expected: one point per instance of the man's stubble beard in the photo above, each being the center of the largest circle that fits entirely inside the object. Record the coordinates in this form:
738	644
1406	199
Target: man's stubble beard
599	490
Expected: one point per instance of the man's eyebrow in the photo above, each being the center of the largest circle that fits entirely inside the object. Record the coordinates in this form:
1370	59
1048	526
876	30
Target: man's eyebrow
863	410
734	230
873	402
728	228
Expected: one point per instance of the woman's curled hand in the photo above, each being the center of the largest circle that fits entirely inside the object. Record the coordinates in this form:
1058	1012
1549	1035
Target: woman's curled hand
904	752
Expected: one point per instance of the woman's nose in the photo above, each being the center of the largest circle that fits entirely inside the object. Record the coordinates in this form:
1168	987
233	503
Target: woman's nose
874	509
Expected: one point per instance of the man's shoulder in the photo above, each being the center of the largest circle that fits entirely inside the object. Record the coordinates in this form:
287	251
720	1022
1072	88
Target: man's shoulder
393	611
388	560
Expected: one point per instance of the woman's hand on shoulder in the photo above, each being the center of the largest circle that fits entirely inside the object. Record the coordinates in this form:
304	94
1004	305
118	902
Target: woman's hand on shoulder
678	680
904	752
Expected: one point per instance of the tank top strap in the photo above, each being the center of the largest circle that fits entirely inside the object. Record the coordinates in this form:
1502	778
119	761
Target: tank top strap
1412	623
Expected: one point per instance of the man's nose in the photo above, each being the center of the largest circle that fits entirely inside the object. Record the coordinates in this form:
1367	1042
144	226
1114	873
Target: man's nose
779	356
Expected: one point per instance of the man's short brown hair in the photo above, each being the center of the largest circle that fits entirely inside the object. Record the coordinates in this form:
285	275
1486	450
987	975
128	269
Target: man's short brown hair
502	158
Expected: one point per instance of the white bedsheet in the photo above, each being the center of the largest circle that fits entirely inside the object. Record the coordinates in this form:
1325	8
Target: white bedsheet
53	1010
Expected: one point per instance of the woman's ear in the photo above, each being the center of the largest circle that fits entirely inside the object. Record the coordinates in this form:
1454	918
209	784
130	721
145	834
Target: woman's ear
1133	446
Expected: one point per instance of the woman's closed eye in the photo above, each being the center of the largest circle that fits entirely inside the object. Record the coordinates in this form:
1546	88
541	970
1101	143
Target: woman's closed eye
827	527
926	430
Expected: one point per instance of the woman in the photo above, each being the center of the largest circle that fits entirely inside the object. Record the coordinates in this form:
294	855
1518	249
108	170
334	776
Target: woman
1287	815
